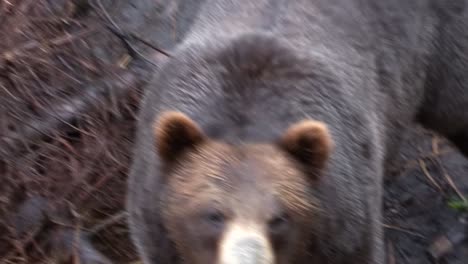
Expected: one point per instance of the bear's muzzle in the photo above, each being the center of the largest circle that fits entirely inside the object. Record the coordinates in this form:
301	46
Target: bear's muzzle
245	244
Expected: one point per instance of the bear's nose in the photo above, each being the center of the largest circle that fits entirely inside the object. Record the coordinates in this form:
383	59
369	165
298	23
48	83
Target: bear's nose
241	246
249	251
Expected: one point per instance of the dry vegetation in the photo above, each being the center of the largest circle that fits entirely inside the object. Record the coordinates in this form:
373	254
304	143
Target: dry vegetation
67	111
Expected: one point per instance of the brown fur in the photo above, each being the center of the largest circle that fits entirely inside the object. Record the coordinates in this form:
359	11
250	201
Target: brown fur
248	183
309	141
175	132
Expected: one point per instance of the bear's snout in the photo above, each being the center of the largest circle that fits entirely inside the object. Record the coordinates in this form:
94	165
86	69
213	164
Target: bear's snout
242	245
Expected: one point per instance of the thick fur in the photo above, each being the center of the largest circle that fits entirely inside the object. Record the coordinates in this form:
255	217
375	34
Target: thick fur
250	69
309	142
175	133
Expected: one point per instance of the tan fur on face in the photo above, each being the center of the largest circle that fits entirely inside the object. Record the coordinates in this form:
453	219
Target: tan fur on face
284	177
203	173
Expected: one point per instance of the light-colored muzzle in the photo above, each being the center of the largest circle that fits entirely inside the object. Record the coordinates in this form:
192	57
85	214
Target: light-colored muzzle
245	245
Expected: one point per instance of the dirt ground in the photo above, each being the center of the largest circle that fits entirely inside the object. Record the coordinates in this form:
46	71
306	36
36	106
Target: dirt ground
418	202
71	75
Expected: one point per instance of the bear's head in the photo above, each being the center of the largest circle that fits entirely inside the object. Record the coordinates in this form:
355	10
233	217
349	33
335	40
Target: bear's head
249	203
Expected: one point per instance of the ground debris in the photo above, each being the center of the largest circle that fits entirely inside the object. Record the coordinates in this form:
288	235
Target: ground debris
447	242
67	113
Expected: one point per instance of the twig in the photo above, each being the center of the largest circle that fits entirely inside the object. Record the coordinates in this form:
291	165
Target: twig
450	180
422	164
109	221
415	162
151	45
132	51
403	230
435	145
116	30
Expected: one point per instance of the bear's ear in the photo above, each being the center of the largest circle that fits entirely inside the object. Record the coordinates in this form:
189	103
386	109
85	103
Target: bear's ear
309	142
175	133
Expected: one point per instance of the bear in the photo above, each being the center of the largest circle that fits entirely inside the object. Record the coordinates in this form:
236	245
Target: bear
267	134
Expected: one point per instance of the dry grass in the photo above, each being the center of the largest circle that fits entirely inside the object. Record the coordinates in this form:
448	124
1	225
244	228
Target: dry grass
67	114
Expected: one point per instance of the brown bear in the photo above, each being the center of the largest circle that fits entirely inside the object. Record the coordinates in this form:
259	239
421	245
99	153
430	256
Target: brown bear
266	136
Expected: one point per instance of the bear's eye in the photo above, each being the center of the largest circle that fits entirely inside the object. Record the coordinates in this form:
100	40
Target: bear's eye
278	223
214	217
